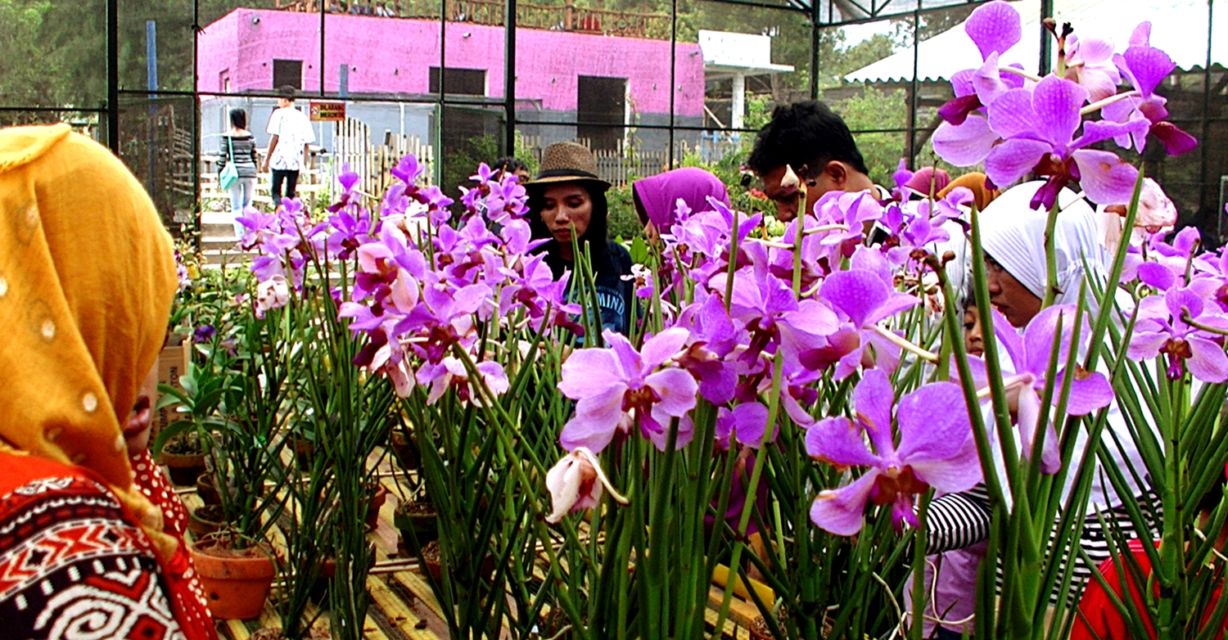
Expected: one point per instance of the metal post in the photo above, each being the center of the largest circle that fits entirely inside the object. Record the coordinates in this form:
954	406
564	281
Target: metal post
914	89
1046	39
113	75
151	129
673	73
814	49
738	102
323	34
509	76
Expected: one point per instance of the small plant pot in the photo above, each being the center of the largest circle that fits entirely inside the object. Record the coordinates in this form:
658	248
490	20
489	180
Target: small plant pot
304	452
236	581
379	495
405	450
432	560
206	490
416	521
205	520
185	467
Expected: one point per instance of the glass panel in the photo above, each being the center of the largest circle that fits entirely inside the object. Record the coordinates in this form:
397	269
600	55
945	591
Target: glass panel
157	140
878	113
621	78
155	45
255	46
51	53
371	51
468	136
746	59
474	51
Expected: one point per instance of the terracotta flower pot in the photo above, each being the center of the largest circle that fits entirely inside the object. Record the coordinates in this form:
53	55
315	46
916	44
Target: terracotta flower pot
207	491
236	581
415	521
378	496
184	468
431	557
205	520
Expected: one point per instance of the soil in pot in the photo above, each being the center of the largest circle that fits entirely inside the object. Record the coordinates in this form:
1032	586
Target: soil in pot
184	459
416	521
236	581
431	558
205	520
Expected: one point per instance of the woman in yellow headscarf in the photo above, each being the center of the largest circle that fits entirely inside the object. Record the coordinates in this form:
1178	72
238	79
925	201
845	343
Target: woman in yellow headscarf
86	283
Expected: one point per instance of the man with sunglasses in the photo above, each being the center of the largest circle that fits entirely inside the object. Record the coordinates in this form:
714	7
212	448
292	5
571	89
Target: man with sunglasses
809	138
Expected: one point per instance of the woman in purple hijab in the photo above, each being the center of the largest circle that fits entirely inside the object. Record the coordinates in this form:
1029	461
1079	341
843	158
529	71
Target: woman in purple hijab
656	198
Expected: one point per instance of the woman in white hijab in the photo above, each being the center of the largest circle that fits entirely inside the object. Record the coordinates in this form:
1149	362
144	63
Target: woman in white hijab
1012	236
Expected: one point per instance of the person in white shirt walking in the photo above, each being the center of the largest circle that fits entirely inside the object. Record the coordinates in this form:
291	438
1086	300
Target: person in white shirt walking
289	148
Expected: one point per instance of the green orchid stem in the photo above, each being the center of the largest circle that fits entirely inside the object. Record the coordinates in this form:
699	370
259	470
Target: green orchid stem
1051	284
733	262
491	402
1185	317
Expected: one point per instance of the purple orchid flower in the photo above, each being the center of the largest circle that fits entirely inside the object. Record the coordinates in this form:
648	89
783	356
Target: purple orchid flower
1145	67
994	28
864	299
935	450
773	316
744	424
1166	325
614	385
1027	370
1038	129
450	373
1090	64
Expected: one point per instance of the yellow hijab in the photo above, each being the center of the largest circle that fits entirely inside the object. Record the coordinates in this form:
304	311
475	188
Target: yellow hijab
87	278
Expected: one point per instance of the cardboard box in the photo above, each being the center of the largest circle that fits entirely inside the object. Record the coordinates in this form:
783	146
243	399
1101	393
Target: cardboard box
172	363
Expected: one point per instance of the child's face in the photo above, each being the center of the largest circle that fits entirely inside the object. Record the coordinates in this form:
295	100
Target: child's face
974	343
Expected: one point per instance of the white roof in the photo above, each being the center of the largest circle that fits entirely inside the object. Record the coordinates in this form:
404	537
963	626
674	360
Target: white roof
1179	28
727	52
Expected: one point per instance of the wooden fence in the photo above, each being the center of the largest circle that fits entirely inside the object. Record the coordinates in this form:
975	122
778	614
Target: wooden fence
373	162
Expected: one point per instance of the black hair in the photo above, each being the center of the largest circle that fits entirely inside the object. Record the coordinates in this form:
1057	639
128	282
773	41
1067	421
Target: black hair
509	164
238	118
597	234
804	133
287	91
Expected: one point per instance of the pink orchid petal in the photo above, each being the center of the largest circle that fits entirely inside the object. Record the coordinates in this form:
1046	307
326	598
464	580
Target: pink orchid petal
965	144
934	423
597	418
1014	159
588	372
663	346
676	389
994	27
872	400
1056	102
840	511
838	441
1012	114
1105	177
1207	361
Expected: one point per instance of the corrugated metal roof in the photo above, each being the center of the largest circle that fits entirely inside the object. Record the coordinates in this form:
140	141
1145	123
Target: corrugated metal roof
1179	27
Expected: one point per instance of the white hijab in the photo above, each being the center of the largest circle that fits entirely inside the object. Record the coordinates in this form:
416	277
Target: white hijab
1013	235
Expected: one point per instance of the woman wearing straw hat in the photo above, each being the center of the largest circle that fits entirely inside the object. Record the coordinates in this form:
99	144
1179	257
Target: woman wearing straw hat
567	201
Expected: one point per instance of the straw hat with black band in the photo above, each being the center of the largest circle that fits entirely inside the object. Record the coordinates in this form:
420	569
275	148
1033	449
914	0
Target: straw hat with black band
567	162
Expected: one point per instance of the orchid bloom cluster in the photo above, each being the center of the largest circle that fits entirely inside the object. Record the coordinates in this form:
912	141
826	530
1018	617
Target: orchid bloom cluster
737	314
421	282
1017	123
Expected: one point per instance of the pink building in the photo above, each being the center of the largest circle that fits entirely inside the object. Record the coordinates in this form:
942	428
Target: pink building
560	75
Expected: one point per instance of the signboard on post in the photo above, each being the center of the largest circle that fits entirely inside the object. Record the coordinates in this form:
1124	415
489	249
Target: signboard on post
327	111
